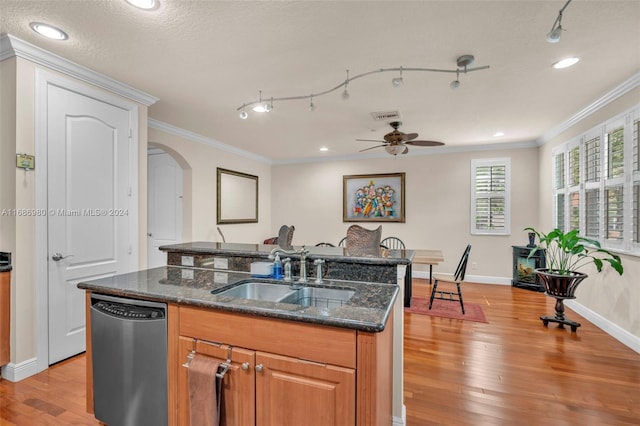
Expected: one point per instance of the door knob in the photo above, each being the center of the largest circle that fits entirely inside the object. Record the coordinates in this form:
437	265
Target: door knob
58	257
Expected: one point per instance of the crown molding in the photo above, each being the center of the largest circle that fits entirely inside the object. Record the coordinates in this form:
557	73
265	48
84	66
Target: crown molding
617	92
186	134
12	46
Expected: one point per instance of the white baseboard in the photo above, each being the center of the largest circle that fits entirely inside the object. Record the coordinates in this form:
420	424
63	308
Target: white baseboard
612	329
16	372
397	421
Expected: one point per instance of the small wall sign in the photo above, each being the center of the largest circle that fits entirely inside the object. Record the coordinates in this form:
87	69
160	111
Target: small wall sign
25	161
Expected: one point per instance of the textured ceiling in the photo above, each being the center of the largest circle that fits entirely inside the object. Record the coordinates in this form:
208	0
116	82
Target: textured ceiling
204	59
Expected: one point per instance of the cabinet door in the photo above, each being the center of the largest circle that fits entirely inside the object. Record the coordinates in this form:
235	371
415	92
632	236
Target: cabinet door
238	393
293	392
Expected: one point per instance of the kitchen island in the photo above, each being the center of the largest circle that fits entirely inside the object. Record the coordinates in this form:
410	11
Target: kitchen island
325	364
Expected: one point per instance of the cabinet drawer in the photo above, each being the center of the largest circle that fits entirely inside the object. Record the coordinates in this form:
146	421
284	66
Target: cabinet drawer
306	341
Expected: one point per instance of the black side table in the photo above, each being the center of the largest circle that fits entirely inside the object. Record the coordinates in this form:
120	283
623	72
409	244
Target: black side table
524	267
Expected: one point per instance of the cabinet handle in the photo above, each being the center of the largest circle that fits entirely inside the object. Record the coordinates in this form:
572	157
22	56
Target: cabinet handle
259	368
245	366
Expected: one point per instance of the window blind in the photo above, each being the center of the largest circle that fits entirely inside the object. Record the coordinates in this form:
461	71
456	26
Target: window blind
490	196
574	210
574	166
592	213
614	212
615	153
592	160
559	167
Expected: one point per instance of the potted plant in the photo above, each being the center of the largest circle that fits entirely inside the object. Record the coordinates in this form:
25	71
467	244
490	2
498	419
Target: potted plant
565	254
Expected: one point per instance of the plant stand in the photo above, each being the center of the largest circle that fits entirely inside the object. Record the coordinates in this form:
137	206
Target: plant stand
560	287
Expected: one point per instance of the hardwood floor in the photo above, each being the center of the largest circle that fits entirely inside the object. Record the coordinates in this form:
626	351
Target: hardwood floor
511	371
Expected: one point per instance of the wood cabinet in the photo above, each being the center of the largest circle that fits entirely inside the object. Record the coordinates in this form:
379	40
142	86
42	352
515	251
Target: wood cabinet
258	385
296	374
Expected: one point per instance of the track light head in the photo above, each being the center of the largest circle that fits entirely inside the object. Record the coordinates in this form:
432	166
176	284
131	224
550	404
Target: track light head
312	106
244	115
454	84
345	94
554	35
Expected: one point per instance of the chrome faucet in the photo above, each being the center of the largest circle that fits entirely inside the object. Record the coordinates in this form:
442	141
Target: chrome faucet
318	263
303	260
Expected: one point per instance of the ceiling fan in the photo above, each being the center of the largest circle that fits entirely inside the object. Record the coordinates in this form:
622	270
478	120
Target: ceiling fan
396	142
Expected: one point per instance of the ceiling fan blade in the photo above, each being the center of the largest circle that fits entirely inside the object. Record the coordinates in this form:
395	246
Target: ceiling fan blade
424	143
369	140
377	146
409	136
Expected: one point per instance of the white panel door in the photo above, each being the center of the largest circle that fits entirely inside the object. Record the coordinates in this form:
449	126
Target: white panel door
164	221
88	167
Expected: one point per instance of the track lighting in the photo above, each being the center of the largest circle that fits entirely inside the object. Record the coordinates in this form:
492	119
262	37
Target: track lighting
345	94
243	113
556	30
260	107
397	81
463	62
455	83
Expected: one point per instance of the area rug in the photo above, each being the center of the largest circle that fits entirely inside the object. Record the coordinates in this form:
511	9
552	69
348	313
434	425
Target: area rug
447	309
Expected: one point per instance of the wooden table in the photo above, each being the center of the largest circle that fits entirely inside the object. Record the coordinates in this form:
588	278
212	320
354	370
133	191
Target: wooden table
422	257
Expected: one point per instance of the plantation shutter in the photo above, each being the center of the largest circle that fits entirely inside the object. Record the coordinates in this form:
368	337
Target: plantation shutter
592	213
489	202
592	160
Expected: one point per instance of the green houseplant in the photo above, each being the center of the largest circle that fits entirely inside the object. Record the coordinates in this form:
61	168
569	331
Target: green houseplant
565	254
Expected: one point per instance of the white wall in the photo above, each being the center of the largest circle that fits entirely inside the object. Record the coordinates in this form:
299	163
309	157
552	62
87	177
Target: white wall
437	193
199	162
613	297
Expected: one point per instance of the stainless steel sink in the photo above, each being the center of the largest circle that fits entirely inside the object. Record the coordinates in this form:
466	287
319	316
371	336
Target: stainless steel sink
257	291
319	297
306	296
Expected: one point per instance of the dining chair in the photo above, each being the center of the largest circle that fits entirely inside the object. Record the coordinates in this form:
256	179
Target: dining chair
392	243
456	279
343	242
362	241
324	245
285	236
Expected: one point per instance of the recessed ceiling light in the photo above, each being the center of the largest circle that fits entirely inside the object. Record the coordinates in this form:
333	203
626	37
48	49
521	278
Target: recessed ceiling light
324	148
498	134
144	4
48	31
565	63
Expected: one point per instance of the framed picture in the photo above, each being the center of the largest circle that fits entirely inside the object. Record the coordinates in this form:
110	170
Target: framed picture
373	198
237	200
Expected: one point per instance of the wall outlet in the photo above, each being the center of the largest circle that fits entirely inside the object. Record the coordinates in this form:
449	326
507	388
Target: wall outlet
474	265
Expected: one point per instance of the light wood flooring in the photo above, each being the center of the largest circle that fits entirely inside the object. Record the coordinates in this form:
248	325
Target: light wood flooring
511	371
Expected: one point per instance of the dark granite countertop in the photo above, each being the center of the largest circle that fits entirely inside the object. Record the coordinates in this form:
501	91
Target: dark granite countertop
368	310
5	267
390	257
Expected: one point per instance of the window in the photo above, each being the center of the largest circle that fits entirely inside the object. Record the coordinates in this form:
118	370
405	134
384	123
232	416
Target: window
490	210
596	183
592	213
592	160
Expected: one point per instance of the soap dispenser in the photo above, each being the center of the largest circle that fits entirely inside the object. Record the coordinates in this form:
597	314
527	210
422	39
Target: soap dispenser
277	268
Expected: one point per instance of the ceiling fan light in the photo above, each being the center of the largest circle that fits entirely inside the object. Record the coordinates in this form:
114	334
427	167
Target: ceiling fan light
395	149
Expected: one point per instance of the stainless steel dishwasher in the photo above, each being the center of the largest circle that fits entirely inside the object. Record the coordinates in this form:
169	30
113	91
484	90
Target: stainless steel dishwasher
129	354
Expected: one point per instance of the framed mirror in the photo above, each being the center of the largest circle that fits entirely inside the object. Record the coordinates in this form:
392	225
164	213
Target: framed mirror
237	198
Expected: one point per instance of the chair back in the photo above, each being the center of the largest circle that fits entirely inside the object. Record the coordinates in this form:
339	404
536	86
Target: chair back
285	236
343	242
461	270
324	245
392	243
362	241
